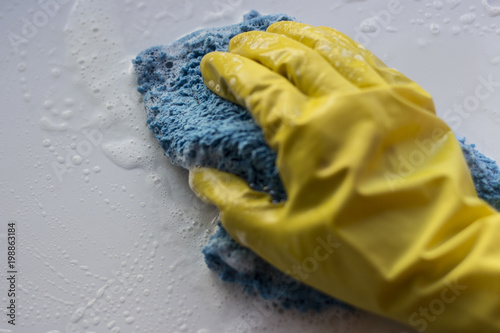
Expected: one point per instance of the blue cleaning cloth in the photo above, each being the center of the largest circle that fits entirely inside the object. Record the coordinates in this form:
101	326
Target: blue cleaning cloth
195	127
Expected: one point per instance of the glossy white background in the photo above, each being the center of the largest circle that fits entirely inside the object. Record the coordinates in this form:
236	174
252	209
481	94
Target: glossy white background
109	234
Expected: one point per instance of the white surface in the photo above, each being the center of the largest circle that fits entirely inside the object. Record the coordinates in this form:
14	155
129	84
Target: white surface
113	244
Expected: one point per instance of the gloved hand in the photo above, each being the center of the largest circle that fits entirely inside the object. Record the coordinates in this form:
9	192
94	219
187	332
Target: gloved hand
381	210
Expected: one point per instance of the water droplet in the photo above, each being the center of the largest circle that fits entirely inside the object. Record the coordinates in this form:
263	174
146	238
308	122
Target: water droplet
91	303
490	9
46	143
454	3
76	159
437	5
48	104
467	18
435	29
369	25
21	67
96	169
456	30
78	314
48	125
66	114
55	72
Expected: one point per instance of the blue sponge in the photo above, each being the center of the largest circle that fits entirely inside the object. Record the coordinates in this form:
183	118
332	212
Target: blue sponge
195	127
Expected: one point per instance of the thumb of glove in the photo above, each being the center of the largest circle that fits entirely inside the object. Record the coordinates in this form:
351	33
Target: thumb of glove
245	213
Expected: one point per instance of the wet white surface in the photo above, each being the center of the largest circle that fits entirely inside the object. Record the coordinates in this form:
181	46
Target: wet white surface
108	233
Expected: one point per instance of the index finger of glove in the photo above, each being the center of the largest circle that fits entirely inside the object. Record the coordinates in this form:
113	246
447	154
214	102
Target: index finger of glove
273	101
337	50
300	64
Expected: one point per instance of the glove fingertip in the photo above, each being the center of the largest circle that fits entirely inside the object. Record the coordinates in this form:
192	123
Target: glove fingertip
216	187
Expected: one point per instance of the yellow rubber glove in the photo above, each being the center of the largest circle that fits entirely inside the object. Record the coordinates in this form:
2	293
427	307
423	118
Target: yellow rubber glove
381	210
